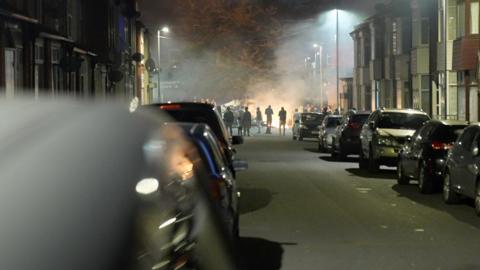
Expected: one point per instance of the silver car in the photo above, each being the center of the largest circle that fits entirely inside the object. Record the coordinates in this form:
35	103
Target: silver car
327	131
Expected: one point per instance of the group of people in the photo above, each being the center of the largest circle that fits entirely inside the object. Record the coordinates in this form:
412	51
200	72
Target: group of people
245	120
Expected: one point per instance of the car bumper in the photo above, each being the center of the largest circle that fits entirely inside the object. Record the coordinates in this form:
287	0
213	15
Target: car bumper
387	155
305	133
351	146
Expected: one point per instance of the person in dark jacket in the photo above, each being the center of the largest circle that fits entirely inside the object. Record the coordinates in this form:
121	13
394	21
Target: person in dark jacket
283	120
229	118
246	122
259	120
269	114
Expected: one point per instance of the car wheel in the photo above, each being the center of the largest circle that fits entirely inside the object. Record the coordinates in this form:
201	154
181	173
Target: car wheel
477	199
401	178
294	138
362	162
425	183
449	195
341	152
320	147
373	165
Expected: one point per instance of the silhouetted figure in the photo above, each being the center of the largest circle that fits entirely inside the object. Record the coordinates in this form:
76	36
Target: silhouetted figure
240	122
246	122
229	118
259	120
269	114
283	120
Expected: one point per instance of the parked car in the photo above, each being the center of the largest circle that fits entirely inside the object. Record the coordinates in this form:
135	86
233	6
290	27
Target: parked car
423	156
346	140
87	187
222	184
462	176
187	112
326	132
306	125
384	134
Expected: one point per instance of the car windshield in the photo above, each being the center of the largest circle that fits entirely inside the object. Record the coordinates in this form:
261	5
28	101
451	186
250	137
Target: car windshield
208	117
402	120
312	118
446	133
333	122
359	118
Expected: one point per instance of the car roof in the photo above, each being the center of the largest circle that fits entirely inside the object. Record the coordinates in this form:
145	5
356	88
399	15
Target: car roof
334	116
187	105
410	111
451	122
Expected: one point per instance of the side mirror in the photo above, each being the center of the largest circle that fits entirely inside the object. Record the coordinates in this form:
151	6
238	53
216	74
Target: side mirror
475	152
236	140
371	124
240	165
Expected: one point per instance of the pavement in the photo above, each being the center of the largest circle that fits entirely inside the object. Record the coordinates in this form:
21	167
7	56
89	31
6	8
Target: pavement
302	210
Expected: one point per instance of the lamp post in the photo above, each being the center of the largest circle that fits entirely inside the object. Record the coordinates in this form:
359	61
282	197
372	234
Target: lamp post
164	30
337	59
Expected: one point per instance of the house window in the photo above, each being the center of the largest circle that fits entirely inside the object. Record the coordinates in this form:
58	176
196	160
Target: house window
461	19
452	19
425	85
425	31
474	21
394	38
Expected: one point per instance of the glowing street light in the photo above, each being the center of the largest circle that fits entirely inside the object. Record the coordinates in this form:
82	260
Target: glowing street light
164	30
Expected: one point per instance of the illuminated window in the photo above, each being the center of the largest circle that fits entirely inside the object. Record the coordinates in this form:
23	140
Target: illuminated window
474	20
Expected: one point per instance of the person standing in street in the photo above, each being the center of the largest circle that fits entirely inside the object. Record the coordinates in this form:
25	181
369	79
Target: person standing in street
283	120
229	118
246	122
240	122
269	114
259	120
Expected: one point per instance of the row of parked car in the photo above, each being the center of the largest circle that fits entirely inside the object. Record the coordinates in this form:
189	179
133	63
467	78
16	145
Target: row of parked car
98	187
441	155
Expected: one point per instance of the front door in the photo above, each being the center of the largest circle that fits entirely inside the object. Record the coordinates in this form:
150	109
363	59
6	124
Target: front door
10	77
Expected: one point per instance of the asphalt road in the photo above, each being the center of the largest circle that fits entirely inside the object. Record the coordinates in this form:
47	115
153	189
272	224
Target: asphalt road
301	210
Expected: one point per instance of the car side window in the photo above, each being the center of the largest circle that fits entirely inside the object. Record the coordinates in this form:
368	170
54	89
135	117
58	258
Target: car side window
466	139
219	158
425	133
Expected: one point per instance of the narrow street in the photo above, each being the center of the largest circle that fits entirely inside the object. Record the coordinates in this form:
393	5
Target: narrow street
301	210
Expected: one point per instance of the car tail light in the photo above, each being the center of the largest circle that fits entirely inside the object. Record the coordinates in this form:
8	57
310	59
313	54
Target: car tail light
437	145
170	107
354	125
217	186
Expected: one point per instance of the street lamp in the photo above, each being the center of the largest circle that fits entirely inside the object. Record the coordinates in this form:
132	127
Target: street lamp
164	30
337	60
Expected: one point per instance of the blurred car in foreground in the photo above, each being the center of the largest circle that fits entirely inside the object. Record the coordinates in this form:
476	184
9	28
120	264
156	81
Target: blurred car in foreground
462	176
222	184
87	187
187	112
424	154
384	134
346	140
327	131
306	125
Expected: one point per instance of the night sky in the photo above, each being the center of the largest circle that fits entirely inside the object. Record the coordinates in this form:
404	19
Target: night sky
160	12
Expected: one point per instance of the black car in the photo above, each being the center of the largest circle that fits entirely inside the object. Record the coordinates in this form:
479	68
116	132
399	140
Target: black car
423	156
306	125
95	187
190	112
346	140
222	184
462	176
